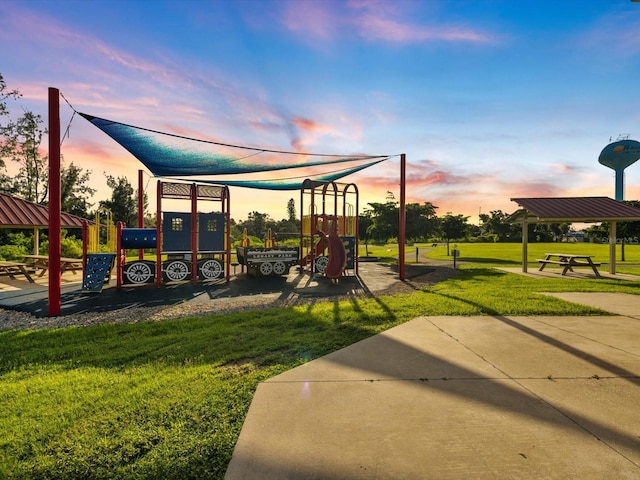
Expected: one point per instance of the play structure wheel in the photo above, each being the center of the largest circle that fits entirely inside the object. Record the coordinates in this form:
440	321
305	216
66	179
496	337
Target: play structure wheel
266	269
176	271
321	264
138	272
279	268
211	269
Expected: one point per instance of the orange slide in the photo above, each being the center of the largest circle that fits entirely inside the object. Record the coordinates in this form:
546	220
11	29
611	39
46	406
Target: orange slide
337	256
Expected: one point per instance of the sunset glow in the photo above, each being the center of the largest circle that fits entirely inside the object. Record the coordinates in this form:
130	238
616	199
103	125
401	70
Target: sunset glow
488	100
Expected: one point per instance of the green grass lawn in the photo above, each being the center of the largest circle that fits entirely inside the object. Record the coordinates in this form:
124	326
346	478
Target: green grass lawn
167	399
505	253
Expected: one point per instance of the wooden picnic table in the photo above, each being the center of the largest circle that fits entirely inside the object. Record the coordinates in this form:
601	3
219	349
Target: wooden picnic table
568	261
15	268
42	262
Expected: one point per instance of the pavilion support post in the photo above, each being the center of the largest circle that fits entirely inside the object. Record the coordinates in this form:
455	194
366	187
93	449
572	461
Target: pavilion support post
525	243
403	217
55	242
36	241
612	247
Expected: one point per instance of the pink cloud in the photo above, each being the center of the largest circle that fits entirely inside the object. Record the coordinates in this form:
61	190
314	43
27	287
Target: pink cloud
372	20
311	18
617	35
534	189
82	148
380	20
306	124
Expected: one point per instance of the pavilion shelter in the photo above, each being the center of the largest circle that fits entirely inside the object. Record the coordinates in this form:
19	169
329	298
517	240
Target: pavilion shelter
573	210
20	214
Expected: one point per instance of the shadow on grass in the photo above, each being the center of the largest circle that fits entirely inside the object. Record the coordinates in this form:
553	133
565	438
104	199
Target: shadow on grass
283	337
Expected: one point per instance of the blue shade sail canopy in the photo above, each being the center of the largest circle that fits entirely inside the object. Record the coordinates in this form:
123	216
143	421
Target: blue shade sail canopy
171	155
291	183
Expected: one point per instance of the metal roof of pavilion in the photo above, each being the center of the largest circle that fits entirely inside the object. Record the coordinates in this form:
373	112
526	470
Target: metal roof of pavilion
18	213
573	209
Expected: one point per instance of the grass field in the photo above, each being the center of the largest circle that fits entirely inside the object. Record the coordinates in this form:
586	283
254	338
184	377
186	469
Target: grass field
167	399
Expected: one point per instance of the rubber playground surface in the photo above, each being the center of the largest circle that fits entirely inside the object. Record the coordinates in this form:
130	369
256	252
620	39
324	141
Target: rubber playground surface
22	296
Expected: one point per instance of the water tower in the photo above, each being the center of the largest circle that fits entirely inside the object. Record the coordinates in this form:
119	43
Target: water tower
618	156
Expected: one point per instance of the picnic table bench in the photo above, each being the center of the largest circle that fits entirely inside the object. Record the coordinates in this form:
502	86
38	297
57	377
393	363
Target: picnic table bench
15	268
42	262
568	261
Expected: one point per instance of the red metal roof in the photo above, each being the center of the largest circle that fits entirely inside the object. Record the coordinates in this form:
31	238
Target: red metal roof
18	213
574	209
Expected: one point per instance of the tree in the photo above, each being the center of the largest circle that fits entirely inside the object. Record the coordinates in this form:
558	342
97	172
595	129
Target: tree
421	221
256	224
495	223
454	227
21	144
291	210
626	232
74	191
364	229
385	221
5	94
123	203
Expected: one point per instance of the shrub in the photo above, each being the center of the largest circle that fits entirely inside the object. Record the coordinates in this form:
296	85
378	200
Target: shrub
13	252
70	246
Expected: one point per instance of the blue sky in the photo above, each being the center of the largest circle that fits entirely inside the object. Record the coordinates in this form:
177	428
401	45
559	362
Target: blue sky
489	99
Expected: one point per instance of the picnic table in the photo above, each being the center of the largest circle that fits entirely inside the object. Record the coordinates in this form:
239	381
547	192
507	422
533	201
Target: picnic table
15	268
568	261
42	262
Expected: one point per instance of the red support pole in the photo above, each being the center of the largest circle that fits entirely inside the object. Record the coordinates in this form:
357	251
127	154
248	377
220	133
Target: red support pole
159	235
194	234
55	242
119	255
226	210
403	216
140	210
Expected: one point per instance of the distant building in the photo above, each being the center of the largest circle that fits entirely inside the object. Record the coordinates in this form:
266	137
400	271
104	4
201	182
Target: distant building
575	237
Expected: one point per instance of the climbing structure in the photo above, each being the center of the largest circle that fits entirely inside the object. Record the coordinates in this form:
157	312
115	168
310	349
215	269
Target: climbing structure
98	258
329	228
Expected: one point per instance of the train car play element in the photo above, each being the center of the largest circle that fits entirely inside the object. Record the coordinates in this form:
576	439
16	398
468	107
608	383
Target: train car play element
268	261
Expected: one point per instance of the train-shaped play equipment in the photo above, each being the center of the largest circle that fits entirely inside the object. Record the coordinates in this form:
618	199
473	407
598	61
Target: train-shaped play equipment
196	247
267	260
189	246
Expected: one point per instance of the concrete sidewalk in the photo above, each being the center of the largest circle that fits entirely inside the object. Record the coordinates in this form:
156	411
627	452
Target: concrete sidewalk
459	398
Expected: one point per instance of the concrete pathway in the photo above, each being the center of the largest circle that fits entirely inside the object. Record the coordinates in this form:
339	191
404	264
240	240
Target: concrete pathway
459	398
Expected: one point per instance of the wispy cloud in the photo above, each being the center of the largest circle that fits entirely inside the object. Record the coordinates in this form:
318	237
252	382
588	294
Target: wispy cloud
616	35
386	21
373	20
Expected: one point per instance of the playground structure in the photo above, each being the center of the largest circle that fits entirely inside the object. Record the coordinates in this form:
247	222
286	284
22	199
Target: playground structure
328	236
196	245
164	154
329	231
